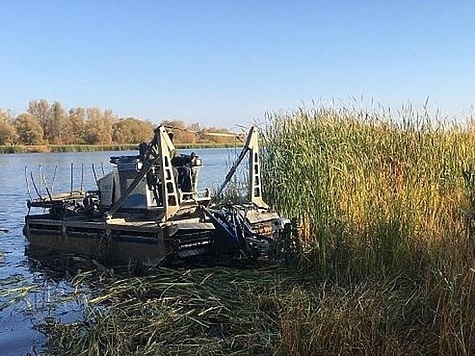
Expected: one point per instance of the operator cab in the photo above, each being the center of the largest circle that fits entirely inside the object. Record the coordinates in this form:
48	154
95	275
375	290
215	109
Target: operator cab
157	181
186	171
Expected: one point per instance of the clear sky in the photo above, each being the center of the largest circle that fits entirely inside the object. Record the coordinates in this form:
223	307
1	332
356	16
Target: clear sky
226	63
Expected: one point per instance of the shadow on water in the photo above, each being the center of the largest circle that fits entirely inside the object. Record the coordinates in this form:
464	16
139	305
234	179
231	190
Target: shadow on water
61	266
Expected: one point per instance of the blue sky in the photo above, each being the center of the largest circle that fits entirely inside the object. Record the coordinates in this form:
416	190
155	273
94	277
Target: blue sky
227	63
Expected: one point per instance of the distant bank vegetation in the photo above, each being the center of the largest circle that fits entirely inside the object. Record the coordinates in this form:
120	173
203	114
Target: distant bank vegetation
48	127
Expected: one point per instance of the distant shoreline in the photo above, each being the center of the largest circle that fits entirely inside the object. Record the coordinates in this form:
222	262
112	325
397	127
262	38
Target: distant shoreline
6	149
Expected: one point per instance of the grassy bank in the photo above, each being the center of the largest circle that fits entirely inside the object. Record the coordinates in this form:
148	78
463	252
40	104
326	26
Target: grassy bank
91	148
384	206
64	148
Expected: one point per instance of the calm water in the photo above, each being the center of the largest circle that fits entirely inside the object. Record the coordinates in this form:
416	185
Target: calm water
19	314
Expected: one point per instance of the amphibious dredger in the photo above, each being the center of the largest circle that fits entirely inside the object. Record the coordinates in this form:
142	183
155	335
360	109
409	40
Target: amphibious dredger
148	209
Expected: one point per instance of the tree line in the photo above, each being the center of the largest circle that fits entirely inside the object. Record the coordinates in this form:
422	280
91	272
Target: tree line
46	123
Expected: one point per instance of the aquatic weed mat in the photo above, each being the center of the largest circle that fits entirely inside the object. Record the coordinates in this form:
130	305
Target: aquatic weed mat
14	290
199	311
230	311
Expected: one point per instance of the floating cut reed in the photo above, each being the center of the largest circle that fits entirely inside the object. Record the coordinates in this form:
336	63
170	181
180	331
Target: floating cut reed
228	311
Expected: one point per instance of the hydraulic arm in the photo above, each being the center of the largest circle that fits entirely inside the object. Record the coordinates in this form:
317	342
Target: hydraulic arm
252	147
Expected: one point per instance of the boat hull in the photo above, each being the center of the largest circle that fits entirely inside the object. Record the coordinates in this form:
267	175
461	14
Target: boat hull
117	240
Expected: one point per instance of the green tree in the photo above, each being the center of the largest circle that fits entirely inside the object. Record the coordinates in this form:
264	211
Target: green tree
28	129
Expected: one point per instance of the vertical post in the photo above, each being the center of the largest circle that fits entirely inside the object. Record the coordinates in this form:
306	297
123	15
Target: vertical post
95	174
54	178
71	178
39	177
82	174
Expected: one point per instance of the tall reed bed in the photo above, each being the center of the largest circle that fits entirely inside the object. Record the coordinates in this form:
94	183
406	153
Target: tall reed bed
382	197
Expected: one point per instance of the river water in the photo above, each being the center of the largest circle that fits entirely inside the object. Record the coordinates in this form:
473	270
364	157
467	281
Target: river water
28	294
